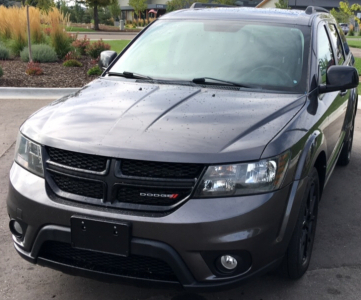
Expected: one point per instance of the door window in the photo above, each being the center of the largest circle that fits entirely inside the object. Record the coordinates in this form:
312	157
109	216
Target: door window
325	55
337	43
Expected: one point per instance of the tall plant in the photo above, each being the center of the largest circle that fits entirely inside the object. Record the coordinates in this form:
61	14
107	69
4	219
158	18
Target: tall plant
282	4
59	38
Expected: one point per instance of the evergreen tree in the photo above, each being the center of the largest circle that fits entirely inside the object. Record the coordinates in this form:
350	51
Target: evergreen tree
4	2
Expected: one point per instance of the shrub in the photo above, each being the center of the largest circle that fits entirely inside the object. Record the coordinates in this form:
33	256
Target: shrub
4	53
13	26
72	37
94	49
72	55
33	69
17	45
351	32
94	61
95	71
60	42
59	38
47	31
40	53
72	63
81	45
1	71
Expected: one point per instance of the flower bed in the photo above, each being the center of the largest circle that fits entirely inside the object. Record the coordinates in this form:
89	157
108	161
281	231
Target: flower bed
54	74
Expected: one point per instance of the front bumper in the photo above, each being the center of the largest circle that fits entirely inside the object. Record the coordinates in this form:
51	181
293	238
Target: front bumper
260	225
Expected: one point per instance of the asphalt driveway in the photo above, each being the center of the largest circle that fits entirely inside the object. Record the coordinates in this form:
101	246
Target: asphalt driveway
335	271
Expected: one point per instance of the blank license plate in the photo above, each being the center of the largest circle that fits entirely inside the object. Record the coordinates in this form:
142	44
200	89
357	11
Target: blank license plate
100	235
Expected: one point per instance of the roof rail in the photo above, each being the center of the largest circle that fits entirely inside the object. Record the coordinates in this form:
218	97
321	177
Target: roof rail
314	9
208	5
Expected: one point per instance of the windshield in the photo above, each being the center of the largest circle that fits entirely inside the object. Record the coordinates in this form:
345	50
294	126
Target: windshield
259	55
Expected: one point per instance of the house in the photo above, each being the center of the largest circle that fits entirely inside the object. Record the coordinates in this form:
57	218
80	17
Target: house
158	7
302	4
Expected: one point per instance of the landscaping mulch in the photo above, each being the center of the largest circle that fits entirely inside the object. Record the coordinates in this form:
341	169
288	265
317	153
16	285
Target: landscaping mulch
55	74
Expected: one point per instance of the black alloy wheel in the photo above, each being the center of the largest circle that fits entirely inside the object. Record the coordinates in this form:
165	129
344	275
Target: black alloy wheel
298	255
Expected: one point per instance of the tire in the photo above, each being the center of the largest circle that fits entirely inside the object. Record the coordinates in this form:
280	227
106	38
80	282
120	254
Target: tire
345	156
298	255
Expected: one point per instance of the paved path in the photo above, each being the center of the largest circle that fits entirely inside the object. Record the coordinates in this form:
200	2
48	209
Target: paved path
335	269
356	52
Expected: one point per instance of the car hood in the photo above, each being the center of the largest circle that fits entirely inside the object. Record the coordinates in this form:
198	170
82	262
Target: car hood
135	120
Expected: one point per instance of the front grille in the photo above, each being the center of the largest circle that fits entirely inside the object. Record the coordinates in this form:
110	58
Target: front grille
81	187
134	266
120	183
77	160
151	196
142	168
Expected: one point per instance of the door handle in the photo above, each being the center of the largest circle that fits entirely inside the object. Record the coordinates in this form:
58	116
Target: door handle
343	93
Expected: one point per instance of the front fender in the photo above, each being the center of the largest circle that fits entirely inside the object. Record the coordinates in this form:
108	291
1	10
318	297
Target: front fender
314	146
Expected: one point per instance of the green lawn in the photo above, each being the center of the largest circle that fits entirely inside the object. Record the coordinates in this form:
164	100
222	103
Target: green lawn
79	29
358	67
354	43
353	37
117	45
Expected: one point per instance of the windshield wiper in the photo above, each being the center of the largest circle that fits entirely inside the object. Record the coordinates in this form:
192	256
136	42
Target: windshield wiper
203	80
130	75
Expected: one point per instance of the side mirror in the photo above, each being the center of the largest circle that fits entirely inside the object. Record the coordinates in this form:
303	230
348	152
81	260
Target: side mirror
106	57
340	78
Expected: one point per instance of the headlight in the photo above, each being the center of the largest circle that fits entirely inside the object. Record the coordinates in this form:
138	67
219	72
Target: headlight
241	179
28	155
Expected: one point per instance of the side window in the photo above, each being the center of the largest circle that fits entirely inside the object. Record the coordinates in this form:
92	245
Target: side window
337	42
324	53
344	41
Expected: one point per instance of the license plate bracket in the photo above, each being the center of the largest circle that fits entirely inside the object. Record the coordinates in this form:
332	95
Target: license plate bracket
100	235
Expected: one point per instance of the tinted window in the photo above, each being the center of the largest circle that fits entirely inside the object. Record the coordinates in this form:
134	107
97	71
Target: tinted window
337	43
266	56
324	53
344	42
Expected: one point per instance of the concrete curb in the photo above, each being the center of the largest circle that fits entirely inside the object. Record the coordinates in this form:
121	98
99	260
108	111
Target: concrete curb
35	93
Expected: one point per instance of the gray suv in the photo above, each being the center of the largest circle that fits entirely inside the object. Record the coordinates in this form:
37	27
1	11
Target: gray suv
198	158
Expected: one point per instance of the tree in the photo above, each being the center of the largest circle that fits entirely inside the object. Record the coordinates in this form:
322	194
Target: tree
45	5
282	4
115	10
138	5
4	2
95	4
226	2
181	4
346	13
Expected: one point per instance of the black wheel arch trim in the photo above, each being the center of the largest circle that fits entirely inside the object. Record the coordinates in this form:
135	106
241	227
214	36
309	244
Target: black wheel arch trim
312	149
314	145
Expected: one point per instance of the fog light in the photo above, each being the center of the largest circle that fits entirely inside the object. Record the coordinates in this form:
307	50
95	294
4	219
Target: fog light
228	262
16	229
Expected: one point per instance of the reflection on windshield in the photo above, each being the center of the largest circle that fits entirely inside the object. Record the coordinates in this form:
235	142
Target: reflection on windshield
247	54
